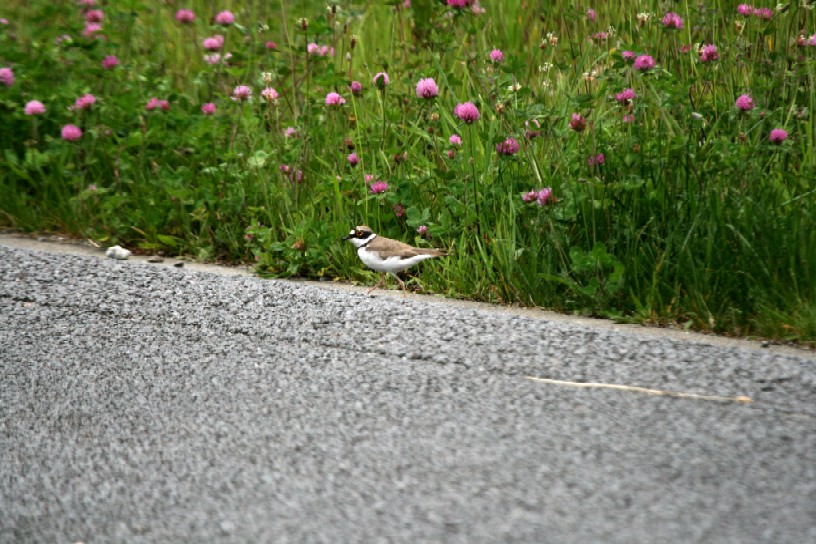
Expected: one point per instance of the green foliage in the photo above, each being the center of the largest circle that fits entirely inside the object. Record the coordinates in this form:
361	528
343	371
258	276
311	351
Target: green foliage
597	273
671	207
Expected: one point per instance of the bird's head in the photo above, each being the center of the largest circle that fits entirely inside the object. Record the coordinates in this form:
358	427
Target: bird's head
360	235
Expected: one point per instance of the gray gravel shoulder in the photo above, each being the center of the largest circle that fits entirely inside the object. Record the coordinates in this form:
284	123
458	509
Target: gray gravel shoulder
162	404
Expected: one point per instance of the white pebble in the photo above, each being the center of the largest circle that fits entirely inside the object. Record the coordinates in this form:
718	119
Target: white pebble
117	252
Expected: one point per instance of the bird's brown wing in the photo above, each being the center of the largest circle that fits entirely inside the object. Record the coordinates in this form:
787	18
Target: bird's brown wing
386	247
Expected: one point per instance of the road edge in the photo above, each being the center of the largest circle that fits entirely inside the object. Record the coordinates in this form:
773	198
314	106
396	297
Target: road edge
64	245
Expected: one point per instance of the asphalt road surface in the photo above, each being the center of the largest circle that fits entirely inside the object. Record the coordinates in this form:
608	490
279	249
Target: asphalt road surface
146	403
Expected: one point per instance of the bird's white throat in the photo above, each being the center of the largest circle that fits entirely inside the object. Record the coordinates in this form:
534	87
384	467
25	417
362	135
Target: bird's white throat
360	242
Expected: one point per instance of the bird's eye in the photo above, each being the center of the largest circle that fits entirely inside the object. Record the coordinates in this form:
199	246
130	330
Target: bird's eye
359	234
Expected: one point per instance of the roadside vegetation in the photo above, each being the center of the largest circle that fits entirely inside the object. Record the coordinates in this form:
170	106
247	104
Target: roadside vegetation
645	161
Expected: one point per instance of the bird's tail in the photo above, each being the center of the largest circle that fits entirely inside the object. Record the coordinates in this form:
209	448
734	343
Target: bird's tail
436	252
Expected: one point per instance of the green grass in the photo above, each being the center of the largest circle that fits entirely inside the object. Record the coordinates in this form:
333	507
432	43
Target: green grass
694	218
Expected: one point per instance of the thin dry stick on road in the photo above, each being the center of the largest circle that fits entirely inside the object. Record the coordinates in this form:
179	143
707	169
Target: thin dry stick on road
638	389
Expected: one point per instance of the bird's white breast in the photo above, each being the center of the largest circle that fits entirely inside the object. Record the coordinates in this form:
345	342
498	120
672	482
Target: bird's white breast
392	264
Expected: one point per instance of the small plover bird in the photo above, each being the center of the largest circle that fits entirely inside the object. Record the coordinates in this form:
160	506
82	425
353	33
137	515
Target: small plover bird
386	255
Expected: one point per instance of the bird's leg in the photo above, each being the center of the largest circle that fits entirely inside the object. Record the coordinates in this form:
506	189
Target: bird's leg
382	279
402	283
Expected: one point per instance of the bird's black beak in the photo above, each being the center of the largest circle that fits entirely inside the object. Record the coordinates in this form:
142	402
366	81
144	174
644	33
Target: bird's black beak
347	237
